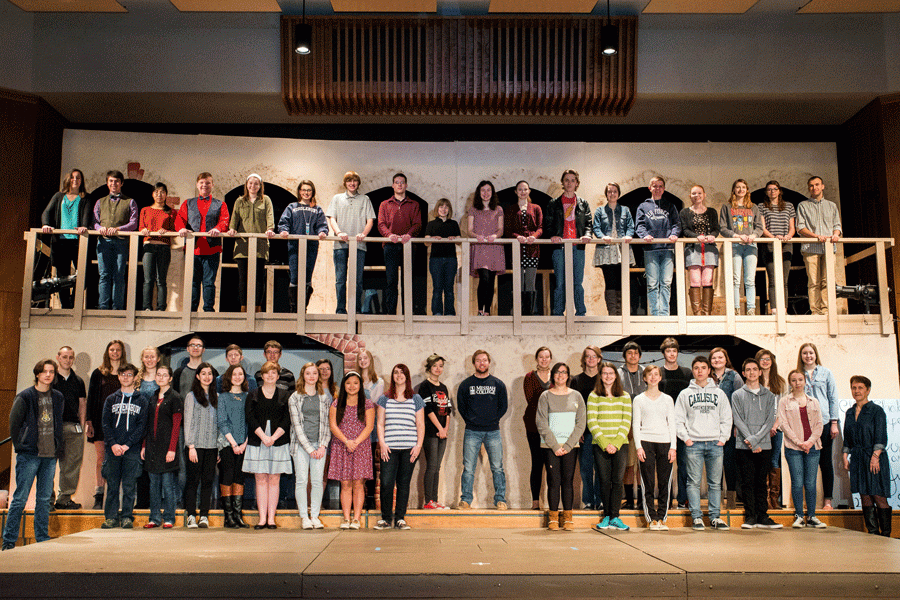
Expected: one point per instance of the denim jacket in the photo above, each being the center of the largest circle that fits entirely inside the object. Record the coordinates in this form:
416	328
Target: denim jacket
821	386
603	221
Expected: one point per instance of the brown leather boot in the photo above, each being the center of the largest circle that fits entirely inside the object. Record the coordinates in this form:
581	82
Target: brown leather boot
706	300
775	488
568	523
553	520
731	499
694	294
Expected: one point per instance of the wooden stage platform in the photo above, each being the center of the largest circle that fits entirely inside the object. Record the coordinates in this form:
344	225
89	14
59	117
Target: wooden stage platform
455	562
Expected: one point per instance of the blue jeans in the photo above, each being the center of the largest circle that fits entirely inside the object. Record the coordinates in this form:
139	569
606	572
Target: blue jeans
700	453
341	259
393	260
112	253
803	468
493	443
443	276
590	480
744	258
777	439
658	268
307	468
206	267
559	271
120	470
29	467
156	267
162	492
312	253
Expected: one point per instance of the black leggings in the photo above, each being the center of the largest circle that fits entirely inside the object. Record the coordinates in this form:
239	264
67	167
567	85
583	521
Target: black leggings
656	470
485	289
826	462
538	460
560	478
611	469
199	473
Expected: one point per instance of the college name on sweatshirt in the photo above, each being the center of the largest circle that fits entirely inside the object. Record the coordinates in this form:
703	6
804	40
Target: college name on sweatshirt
703	401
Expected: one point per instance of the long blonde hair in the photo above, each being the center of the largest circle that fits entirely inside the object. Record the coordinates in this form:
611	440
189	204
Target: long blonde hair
747	203
143	368
300	387
369	372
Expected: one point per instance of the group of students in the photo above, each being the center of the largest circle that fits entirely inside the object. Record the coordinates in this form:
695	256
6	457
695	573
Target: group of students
707	417
350	214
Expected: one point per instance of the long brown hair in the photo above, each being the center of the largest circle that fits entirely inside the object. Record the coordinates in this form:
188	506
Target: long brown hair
330	384
779	205
369	372
800	365
775	382
733	199
600	388
300	388
82	191
106	365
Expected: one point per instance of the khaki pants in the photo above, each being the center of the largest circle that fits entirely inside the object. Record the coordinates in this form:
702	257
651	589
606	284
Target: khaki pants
815	273
70	464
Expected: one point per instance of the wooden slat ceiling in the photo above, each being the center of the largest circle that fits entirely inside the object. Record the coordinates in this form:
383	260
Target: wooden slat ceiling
387	6
256	6
95	6
850	6
695	7
542	6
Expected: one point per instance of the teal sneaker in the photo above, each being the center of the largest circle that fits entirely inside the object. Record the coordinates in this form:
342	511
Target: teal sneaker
604	524
618	524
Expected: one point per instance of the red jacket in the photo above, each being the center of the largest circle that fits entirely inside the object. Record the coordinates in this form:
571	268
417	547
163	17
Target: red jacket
399	218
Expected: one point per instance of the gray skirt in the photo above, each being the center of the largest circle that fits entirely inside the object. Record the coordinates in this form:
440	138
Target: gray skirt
694	258
268	459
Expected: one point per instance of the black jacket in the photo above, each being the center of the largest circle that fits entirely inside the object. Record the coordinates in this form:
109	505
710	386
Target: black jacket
51	215
554	220
23	422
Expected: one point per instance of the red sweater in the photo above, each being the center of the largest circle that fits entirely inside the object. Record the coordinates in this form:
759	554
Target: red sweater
399	218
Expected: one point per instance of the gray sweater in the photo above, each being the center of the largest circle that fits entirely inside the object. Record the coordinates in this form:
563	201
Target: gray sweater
201	429
753	412
550	403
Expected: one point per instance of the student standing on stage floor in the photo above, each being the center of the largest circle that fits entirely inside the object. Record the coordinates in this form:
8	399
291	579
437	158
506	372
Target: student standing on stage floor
630	374
438	409
310	435
350	214
568	217
675	378
67	209
399	219
740	218
753	411
525	222
124	426
160	449
71	386
724	376
373	388
701	222
253	213
201	445
232	422
485	223
817	218
821	386
610	222
352	419
609	419
560	419
657	218
779	221
103	382
303	217
36	429
235	357
204	214
157	255
703	423
534	384
585	382
113	213
272	351
653	423
442	263
482	402
770	379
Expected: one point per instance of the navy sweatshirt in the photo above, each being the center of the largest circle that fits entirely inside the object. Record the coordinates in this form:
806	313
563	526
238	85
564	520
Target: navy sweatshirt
482	402
125	420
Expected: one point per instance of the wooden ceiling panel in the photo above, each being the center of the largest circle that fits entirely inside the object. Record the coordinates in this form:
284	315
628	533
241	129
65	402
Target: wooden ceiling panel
257	6
379	6
69	5
850	6
698	7
542	6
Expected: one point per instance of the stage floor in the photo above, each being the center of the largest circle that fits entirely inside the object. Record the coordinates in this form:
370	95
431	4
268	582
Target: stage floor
455	563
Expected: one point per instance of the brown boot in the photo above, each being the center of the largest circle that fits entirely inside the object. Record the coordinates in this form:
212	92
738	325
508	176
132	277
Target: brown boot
775	489
731	499
706	300
694	294
568	523
553	520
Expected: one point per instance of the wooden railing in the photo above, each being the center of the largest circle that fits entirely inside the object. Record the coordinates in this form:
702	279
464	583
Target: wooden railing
463	323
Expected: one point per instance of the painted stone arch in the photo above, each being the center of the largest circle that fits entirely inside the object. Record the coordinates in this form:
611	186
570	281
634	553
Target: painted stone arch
346	343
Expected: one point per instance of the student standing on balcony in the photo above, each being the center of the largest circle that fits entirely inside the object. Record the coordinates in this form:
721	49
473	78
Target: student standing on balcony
657	218
442	262
740	218
253	213
701	222
610	222
524	221
779	221
568	217
485	223
817	218
113	213
303	217
67	209
349	214
399	219
204	214
158	219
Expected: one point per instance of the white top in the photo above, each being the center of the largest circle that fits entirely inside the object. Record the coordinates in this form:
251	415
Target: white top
653	420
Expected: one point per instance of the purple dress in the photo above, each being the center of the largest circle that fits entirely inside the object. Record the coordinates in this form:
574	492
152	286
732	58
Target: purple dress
347	466
486	256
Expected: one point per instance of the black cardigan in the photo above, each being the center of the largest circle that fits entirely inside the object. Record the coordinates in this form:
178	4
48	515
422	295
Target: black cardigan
51	215
258	409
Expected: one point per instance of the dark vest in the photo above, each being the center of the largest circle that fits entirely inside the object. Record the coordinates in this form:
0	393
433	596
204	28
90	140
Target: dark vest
114	214
212	218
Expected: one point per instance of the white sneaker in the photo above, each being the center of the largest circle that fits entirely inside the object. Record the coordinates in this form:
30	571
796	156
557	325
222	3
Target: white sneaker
317	524
382	524
719	524
661	526
345	523
191	522
751	312
306	523
354	524
798	523
654	526
815	522
203	523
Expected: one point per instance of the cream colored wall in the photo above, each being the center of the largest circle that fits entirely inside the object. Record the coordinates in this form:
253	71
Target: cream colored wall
874	356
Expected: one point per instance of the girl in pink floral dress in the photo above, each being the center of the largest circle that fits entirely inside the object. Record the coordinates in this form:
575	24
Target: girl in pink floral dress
352	419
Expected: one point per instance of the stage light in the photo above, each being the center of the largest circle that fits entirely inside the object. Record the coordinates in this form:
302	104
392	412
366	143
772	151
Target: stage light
302	38
609	35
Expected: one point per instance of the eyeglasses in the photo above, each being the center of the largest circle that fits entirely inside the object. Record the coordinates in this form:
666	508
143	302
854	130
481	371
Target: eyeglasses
195	345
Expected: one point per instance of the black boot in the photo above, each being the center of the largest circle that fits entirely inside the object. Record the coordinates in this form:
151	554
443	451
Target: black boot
884	521
292	298
629	498
237	512
527	301
98	501
613	302
227	512
309	293
870	519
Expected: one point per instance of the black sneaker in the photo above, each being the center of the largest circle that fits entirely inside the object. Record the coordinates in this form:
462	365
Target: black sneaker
8	546
749	523
768	523
68	505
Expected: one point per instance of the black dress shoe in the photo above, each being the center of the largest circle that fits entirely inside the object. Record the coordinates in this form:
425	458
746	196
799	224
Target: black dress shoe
272	526
68	505
259	526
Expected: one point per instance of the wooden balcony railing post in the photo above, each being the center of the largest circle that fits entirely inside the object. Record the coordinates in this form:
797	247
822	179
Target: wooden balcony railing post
352	266
568	257
252	245
887	322
830	282
301	287
626	287
131	294
28	280
780	299
517	286
465	288
680	291
187	284
407	289
78	306
728	281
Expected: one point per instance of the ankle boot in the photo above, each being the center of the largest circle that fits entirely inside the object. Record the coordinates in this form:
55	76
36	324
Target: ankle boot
227	511
731	499
884	520
870	519
706	300
309	293
98	501
613	302
526	303
292	298
237	512
775	488
694	294
553	520
568	524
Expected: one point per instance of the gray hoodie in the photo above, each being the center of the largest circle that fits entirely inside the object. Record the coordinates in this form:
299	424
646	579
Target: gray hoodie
754	415
703	414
